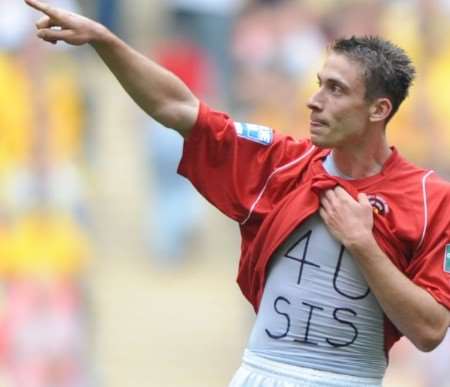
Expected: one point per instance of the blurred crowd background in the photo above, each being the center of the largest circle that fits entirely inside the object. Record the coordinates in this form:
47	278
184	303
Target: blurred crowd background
114	271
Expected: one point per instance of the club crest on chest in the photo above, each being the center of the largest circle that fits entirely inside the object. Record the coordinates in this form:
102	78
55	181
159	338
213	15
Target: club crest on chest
379	204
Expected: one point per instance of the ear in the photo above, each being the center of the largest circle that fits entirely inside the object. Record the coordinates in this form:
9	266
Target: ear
380	109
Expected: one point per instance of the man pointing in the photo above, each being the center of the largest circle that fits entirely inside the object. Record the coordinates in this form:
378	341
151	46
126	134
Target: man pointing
344	243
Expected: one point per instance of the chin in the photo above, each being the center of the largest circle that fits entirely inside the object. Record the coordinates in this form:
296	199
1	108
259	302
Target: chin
320	142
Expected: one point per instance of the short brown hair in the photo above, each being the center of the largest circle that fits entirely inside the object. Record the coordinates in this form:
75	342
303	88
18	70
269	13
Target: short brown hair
388	70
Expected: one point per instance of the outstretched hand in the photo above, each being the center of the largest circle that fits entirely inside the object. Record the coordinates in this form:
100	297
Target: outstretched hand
60	25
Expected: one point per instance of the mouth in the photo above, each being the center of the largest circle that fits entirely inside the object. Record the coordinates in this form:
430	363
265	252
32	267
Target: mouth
315	122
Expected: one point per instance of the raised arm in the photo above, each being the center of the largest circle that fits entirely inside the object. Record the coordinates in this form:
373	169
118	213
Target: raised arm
156	90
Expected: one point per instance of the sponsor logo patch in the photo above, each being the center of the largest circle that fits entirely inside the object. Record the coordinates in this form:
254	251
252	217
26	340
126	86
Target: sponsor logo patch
447	259
257	133
379	204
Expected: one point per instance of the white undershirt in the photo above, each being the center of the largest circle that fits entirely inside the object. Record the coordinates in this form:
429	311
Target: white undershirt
317	311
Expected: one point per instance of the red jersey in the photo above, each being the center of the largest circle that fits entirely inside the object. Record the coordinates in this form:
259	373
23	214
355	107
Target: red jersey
270	183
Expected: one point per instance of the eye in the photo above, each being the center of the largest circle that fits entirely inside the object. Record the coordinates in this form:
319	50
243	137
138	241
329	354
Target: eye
335	88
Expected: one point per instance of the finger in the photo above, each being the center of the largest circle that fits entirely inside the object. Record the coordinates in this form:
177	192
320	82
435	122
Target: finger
50	41
363	199
45	22
325	203
322	213
342	193
53	35
43	7
330	195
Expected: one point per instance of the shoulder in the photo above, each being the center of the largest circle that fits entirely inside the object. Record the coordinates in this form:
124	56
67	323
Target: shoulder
438	187
427	184
406	175
257	138
428	179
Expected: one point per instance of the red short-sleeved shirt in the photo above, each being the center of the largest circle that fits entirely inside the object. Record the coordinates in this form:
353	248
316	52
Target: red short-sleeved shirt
267	183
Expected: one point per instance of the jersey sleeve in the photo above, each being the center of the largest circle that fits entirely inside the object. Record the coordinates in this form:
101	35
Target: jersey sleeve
229	162
430	267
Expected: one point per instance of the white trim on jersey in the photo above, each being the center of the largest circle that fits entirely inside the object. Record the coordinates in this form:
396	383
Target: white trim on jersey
290	164
425	208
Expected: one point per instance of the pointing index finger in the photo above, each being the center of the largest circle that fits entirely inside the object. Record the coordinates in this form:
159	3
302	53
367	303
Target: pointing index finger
43	7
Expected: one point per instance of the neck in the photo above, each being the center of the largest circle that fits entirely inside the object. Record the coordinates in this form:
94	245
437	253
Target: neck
363	160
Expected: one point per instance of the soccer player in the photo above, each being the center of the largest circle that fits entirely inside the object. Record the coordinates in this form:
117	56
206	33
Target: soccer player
345	245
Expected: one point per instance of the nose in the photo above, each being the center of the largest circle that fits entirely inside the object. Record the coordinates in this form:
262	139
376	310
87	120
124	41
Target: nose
315	102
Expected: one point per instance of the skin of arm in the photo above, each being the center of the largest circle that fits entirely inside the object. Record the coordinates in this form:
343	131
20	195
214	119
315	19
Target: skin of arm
410	308
156	90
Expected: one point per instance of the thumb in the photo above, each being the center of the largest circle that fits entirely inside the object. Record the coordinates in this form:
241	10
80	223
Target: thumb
363	199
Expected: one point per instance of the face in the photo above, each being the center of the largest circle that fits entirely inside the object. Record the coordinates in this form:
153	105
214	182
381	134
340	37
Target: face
339	111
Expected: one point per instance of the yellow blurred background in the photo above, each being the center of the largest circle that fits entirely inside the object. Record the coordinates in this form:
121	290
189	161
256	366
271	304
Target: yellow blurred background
114	272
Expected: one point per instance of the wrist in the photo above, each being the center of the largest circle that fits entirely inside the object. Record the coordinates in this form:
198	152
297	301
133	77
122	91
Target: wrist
100	36
361	244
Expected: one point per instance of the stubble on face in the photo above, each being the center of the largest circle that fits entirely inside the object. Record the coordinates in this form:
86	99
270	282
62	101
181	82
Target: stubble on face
339	110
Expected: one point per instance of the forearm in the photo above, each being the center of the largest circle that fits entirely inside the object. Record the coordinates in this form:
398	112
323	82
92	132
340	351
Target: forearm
411	309
156	90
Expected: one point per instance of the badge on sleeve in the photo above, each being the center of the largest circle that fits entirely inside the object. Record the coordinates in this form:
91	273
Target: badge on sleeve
257	133
447	259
